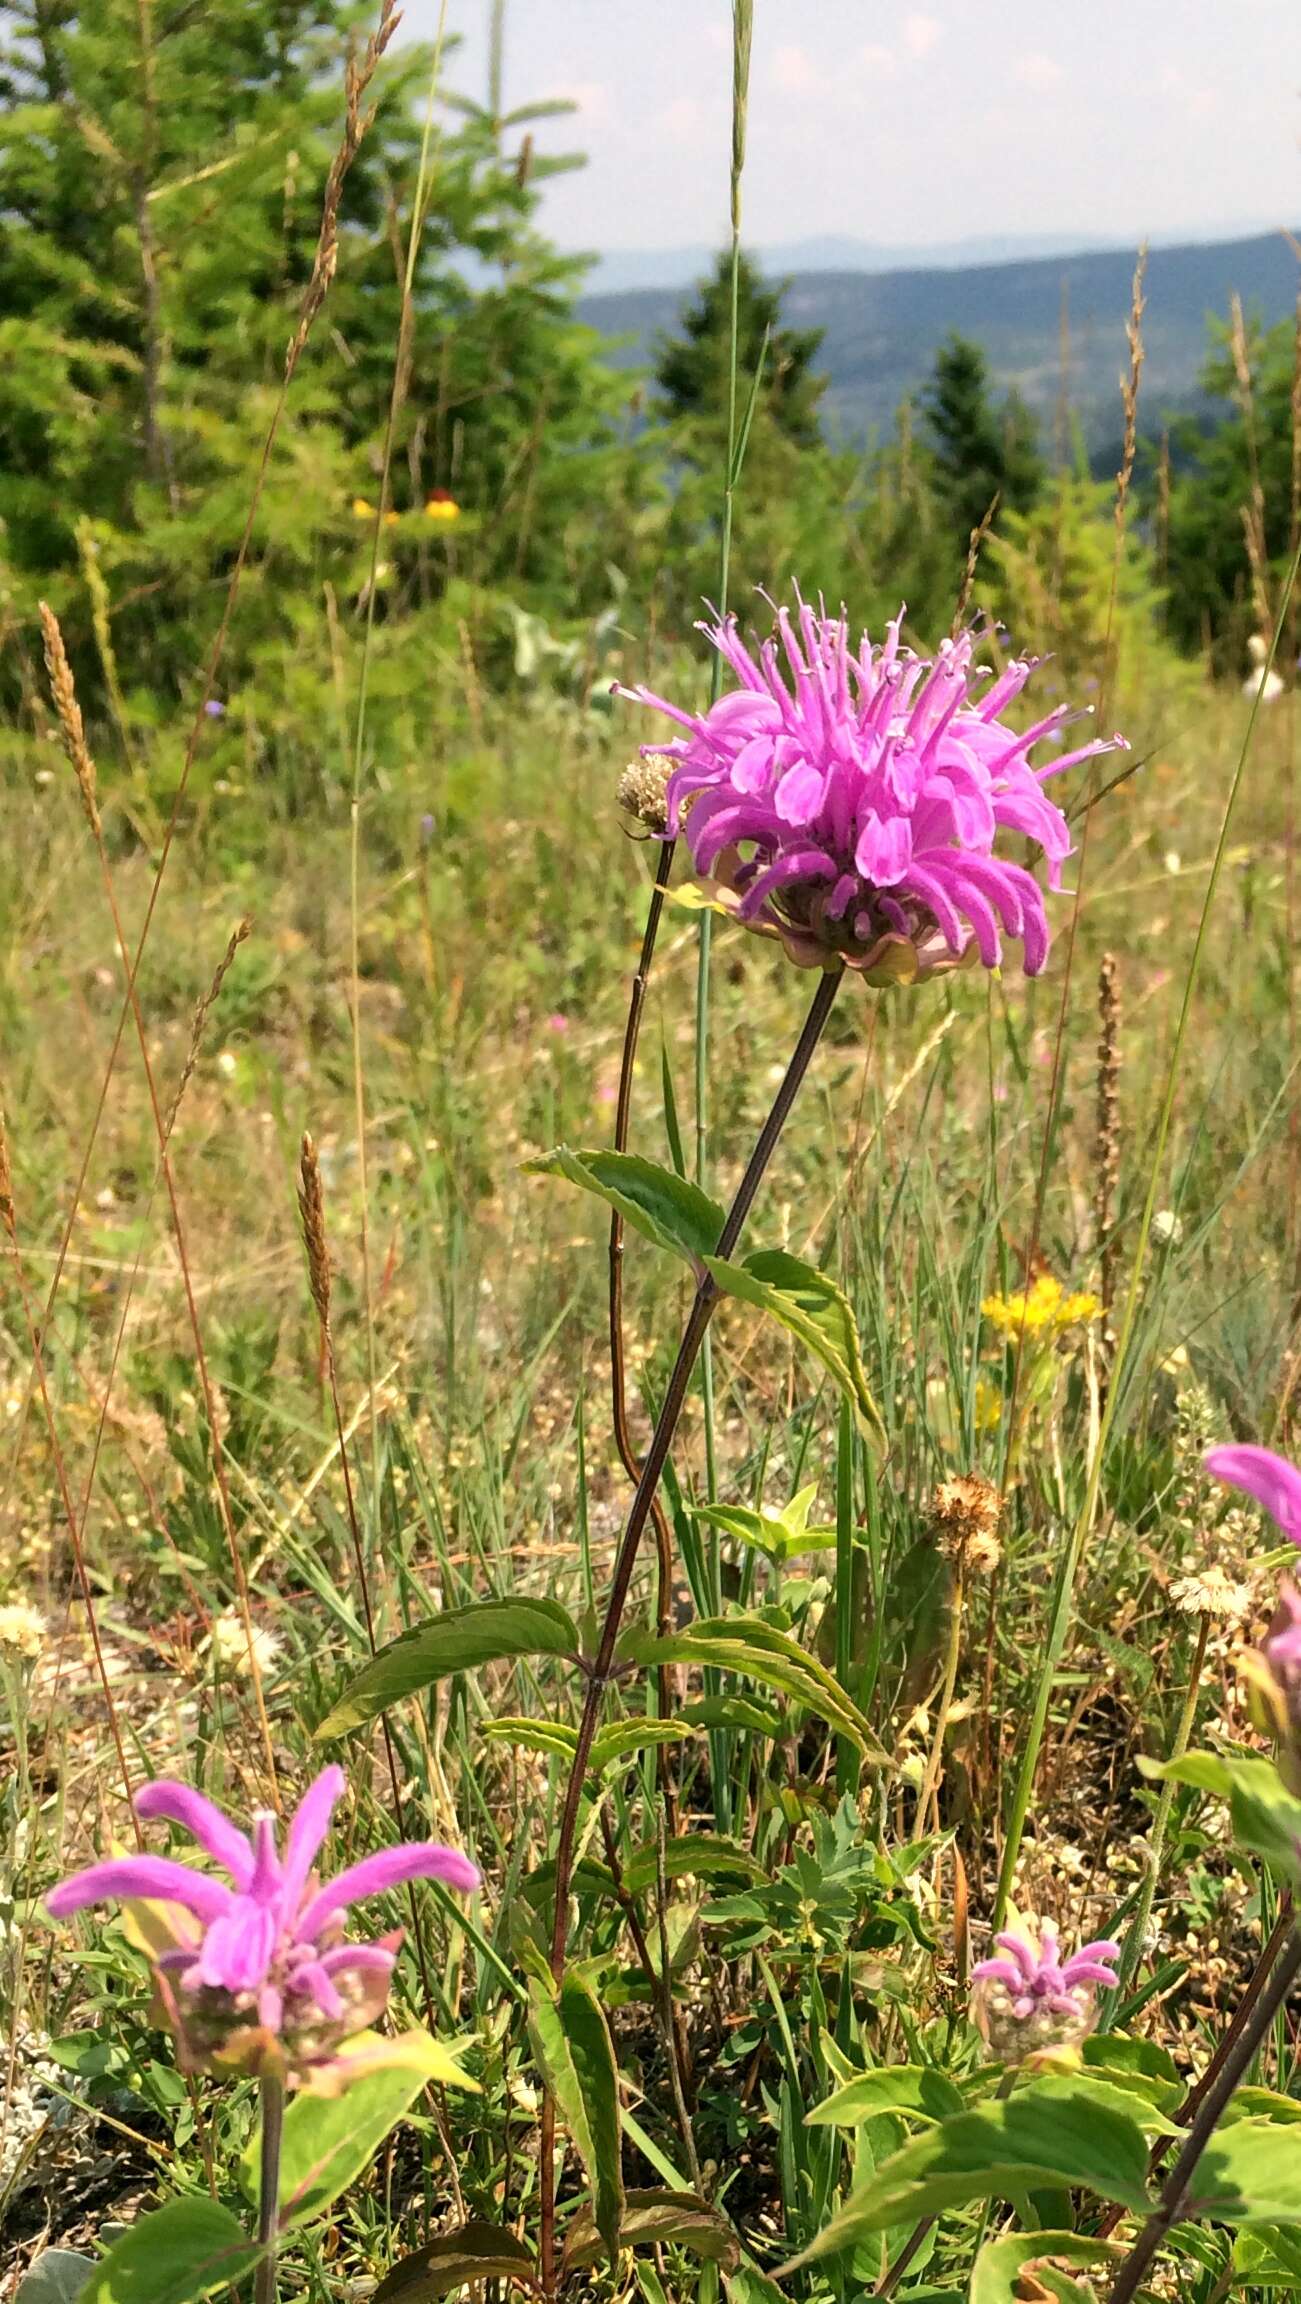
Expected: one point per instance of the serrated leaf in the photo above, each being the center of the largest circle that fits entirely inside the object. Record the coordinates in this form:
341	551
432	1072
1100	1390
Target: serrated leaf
665	1208
456	1640
184	2251
571	2041
328	2140
760	1651
692	1855
809	1305
657	2219
998	2269
617	1741
1044	2135
1250	2173
917	2089
477	2250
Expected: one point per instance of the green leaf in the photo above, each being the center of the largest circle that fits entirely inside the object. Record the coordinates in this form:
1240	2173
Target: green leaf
571	2041
737	1712
58	2276
749	1645
457	1640
996	2275
1249	2173
1266	1817
1045	2134
781	1535
328	2140
657	2219
477	2250
808	1303
184	2251
1268	2257
914	2088
611	1744
694	1856
663	1207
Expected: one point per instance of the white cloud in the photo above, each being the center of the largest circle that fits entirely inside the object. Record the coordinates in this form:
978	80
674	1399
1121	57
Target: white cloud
920	34
593	98
682	121
794	73
877	60
1039	72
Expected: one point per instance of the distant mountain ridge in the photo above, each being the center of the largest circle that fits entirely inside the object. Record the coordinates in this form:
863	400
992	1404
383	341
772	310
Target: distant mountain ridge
617	271
882	329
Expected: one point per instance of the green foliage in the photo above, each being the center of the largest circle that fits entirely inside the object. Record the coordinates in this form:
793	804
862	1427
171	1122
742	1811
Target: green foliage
1218	466
187	2250
692	371
980	450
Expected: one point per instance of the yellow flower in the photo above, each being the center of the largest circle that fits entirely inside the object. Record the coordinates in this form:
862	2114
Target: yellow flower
1043	1309
989	1406
361	509
441	506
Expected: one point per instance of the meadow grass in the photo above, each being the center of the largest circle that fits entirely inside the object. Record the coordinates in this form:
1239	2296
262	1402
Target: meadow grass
299	1353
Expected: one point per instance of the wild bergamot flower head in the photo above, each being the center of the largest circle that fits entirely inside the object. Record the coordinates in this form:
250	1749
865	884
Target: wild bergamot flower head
848	799
254	1972
1028	2001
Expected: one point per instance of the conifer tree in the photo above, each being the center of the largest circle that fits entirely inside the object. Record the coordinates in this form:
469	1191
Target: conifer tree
692	370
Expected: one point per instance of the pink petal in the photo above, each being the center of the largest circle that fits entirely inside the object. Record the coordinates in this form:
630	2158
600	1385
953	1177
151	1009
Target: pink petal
1269	1478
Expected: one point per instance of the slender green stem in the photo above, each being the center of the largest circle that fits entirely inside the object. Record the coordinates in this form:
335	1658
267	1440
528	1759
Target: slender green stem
742	29
1137	1932
273	2121
1065	1589
935	1764
846	1757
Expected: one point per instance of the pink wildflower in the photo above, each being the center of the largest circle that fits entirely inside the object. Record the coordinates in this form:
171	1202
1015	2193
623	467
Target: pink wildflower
848	800
257	1975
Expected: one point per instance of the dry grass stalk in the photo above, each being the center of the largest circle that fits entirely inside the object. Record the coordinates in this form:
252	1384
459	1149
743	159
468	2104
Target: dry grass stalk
975	547
1107	1171
1129	385
201	1013
7	1215
742	39
356	122
68	711
1253	511
311	1206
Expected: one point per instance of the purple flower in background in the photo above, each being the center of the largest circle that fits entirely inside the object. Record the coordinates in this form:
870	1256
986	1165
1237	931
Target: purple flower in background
257	1975
1029	2000
848	800
214	709
1281	1646
1270	1479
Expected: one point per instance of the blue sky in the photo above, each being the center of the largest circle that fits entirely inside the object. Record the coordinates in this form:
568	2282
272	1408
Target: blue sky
947	119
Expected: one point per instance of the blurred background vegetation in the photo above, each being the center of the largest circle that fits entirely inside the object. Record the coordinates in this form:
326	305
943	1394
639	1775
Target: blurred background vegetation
161	179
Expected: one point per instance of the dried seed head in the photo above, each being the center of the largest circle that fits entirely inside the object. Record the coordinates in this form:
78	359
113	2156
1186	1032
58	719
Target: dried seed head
68	710
642	791
966	1512
201	1013
311	1203
1211	1591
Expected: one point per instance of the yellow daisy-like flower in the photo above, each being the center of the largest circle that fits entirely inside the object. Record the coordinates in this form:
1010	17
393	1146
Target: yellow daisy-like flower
361	509
1043	1309
441	506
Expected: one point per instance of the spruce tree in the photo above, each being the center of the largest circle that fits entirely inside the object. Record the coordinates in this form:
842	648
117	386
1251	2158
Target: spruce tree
980	449
692	370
